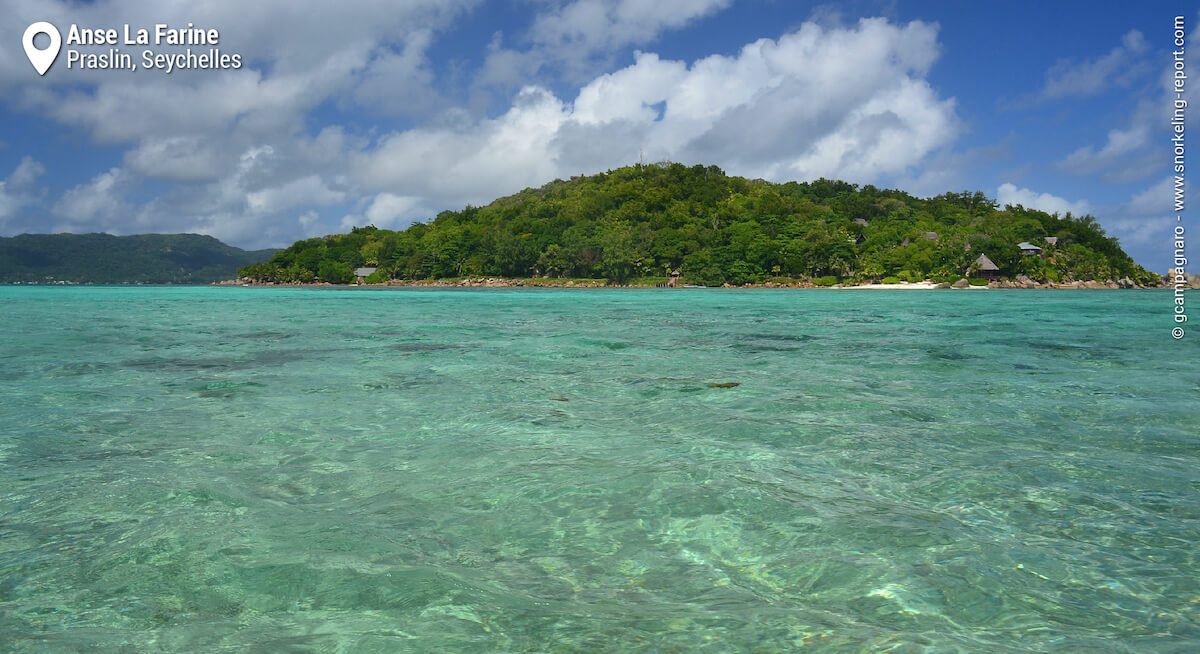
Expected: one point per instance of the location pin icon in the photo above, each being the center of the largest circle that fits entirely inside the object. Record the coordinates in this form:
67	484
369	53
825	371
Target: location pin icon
42	59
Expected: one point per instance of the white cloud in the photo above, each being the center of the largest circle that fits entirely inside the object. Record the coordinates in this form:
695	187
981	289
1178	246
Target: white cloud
218	105
777	109
947	170
189	127
1120	66
1145	239
391	210
886	134
1010	194
400	82
1143	224
1130	154
1120	144
388	211
241	162
18	189
580	37
310	224
176	158
504	68
782	110
493	157
588	26
26	172
629	93
100	201
1155	200
271	32
1134	151
251	203
304	191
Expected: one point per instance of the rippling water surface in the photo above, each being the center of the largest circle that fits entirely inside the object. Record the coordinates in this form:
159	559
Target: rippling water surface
412	470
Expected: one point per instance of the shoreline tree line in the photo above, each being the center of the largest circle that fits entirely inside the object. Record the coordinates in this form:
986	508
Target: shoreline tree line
647	222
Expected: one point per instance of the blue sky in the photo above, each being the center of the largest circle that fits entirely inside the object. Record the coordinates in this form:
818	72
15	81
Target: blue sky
382	112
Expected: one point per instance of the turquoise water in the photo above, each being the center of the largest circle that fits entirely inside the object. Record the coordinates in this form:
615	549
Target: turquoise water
414	470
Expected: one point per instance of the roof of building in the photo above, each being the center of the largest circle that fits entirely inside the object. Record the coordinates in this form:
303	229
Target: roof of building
984	264
1052	240
1026	245
363	272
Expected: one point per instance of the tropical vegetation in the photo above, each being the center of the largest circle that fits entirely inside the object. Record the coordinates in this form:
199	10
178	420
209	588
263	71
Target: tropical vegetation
651	221
108	259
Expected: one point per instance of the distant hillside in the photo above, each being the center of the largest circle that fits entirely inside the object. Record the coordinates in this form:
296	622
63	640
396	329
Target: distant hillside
108	259
645	222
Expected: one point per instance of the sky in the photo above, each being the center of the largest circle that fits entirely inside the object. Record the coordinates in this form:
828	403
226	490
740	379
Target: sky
386	112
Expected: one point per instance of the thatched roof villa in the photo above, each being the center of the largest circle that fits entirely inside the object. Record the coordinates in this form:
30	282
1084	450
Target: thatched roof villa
984	268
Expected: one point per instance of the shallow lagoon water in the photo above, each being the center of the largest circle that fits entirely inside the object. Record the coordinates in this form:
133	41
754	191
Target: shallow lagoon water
411	470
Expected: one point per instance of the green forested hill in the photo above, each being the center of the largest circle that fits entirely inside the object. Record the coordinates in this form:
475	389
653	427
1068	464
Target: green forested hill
644	221
107	259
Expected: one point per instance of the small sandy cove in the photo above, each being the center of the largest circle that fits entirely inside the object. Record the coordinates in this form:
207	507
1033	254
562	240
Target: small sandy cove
898	287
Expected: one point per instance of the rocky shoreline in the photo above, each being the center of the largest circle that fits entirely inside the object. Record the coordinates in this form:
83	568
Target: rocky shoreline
1021	282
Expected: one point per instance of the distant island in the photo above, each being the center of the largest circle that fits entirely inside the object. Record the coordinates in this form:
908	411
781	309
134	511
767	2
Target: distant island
670	224
108	259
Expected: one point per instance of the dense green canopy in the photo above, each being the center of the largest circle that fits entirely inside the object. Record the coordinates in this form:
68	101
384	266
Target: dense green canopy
646	221
108	259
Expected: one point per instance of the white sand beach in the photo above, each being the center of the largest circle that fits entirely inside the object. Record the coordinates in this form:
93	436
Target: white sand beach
915	286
